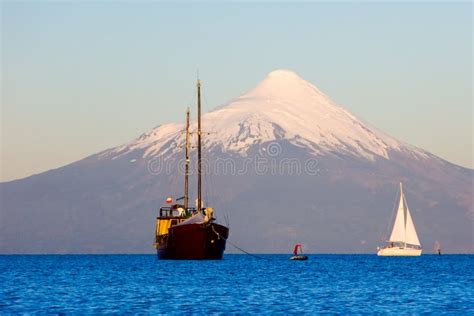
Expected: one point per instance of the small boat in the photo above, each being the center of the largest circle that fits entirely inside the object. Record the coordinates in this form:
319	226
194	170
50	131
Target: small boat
403	240
299	256
438	247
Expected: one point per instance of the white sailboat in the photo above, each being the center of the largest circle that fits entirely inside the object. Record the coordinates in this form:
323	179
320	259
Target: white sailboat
403	240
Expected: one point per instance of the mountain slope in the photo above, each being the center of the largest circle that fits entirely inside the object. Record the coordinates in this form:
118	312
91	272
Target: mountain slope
283	105
283	162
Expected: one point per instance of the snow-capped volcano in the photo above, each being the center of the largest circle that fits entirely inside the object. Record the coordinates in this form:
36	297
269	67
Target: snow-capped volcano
107	202
282	106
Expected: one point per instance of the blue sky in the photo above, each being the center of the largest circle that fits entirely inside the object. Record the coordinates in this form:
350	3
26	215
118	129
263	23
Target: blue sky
80	77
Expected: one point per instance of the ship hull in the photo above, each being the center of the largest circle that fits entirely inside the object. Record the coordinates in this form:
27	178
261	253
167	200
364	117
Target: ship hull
399	252
195	241
299	257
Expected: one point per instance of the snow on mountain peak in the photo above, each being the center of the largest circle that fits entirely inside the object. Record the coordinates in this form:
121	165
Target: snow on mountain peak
283	76
282	106
283	73
284	85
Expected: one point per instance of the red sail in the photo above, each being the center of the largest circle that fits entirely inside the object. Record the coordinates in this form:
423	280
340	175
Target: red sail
295	251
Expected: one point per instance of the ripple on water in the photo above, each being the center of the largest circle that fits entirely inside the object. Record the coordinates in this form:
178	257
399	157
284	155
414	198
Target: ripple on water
237	284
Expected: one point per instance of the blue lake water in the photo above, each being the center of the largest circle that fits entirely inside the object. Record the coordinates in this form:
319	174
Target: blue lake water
241	284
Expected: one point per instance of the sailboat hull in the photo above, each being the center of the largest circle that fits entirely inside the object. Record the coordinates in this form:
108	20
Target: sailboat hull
399	252
195	241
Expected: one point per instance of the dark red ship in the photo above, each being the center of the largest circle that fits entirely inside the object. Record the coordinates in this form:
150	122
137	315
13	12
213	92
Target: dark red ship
189	233
195	237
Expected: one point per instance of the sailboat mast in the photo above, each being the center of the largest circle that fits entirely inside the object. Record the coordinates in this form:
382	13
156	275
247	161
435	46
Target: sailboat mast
199	201
186	171
402	199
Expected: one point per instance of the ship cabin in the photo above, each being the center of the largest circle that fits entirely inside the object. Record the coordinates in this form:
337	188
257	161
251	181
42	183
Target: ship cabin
170	216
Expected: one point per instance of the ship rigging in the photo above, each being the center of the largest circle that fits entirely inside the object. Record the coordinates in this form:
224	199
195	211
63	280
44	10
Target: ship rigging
184	232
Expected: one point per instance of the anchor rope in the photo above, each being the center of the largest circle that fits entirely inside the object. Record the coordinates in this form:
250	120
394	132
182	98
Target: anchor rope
235	246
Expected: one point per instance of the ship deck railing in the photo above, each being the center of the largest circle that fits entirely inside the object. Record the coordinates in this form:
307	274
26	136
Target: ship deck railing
172	211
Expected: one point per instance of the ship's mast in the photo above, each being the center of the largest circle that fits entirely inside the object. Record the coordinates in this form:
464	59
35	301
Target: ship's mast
186	171
199	201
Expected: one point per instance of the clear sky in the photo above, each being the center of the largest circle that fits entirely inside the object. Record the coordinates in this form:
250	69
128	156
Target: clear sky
79	77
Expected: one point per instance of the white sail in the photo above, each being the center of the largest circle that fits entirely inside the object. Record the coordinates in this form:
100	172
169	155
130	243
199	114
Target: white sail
410	233
403	232
398	232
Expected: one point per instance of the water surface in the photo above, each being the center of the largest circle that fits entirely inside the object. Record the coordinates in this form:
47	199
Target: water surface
94	284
